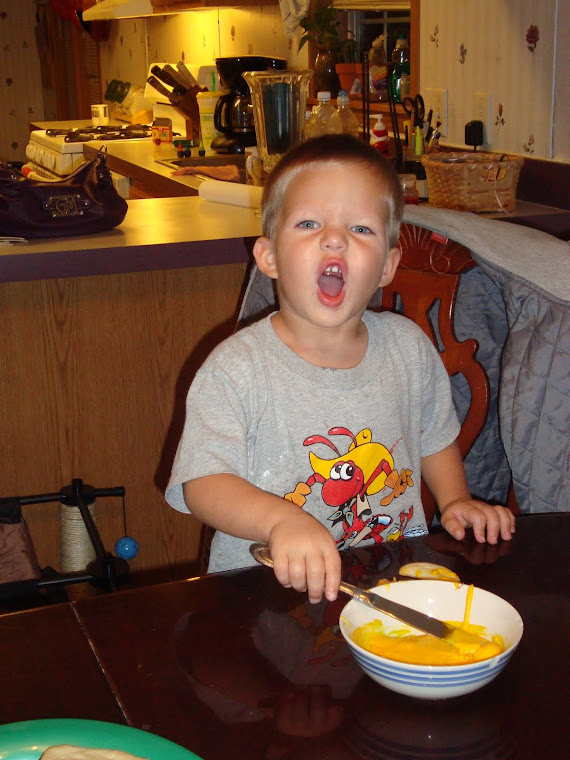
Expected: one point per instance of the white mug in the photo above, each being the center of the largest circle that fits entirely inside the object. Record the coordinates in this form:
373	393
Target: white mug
253	167
100	115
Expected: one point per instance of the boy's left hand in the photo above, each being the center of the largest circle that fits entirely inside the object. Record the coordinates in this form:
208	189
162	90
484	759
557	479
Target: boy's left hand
488	521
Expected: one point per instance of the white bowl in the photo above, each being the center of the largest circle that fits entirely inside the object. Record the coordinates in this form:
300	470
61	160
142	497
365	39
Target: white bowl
445	601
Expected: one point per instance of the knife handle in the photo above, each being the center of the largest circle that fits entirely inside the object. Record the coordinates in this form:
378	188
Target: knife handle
176	76
165	77
153	81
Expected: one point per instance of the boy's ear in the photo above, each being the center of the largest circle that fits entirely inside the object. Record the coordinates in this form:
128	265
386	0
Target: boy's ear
265	257
390	266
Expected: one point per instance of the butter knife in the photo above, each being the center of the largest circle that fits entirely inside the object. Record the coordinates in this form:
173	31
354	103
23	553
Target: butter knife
431	626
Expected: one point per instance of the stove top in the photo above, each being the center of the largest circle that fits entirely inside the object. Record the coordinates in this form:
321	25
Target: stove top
61	150
85	134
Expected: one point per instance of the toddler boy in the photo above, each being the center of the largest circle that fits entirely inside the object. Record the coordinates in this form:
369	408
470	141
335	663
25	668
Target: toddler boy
309	430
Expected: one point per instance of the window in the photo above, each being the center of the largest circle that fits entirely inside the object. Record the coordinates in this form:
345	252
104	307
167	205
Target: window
368	25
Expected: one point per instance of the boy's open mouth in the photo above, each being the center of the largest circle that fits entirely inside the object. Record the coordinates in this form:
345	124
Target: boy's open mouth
331	281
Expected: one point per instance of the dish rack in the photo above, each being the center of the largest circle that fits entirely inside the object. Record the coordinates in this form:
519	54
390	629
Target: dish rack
472	181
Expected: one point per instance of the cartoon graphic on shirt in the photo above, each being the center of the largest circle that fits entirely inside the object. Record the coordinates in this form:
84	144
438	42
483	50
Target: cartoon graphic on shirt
349	480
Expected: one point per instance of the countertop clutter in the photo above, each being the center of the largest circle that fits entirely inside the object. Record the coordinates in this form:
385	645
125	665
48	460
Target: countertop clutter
136	161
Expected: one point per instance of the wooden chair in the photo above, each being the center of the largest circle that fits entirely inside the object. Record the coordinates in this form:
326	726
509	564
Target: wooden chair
429	273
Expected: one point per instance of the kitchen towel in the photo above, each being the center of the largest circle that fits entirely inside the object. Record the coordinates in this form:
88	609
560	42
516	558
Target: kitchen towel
292	12
247	196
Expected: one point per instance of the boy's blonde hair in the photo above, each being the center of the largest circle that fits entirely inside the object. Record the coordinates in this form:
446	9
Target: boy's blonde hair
327	149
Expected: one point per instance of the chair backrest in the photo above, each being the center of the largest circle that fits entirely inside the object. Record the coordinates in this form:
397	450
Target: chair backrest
428	276
426	283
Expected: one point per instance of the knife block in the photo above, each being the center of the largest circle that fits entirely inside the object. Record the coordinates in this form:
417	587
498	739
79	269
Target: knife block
187	106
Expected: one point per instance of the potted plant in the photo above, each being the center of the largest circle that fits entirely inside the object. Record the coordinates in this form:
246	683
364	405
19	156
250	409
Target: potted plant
322	29
350	66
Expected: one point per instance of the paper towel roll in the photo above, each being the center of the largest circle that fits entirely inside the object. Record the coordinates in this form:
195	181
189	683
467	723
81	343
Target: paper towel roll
232	193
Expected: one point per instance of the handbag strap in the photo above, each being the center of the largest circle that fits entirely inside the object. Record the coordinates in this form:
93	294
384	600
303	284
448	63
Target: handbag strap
101	168
8	173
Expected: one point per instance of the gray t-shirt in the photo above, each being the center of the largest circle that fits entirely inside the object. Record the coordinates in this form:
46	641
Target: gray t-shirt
353	438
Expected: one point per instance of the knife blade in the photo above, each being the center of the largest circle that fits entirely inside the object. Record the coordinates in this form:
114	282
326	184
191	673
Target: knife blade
187	74
414	618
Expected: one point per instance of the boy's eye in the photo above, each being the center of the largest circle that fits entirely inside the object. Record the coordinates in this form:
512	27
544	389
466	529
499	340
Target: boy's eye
361	229
307	224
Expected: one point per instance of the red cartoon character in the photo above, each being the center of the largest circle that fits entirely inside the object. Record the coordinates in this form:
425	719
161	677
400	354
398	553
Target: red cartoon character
347	482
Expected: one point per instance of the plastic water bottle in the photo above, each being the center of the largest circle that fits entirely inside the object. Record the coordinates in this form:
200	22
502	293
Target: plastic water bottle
401	70
350	125
324	118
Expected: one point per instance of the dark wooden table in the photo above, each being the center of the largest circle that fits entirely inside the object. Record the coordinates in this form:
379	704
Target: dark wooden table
234	666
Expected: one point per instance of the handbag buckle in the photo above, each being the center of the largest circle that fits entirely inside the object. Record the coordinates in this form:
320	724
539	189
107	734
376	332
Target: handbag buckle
66	205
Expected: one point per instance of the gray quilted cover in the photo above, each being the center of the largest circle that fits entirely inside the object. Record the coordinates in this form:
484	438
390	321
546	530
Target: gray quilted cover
515	304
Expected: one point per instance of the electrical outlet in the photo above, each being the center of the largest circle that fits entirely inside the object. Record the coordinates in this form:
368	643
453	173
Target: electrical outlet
483	111
436	100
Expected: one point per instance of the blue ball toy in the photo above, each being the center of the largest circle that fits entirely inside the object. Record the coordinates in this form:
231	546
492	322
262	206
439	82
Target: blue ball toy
126	547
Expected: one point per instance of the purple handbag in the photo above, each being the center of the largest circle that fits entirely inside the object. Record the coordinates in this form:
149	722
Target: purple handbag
81	204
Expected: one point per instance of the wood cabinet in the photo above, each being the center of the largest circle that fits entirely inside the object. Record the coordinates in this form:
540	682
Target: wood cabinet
101	336
160	7
94	372
170	6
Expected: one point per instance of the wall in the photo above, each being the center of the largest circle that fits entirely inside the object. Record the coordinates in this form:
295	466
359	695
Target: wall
529	89
198	38
483	46
20	78
532	87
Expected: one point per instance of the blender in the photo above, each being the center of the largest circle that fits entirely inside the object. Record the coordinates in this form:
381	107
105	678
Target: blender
279	103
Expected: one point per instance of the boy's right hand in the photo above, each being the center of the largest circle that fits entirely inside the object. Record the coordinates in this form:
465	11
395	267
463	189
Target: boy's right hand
305	556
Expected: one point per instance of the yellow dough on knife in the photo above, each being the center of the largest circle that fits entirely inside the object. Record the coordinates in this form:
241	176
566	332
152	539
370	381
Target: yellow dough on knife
428	571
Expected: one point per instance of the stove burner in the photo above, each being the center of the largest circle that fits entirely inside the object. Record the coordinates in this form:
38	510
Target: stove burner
84	134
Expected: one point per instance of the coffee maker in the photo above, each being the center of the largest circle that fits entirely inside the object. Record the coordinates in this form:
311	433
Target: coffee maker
233	116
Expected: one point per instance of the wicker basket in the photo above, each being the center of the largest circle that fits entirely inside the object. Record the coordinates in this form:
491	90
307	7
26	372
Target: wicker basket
472	181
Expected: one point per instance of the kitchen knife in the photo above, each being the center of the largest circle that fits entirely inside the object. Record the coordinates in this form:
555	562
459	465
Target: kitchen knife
166	77
185	72
159	87
413	618
176	76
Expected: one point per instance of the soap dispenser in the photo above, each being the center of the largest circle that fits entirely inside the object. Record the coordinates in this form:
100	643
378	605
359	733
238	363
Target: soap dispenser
379	137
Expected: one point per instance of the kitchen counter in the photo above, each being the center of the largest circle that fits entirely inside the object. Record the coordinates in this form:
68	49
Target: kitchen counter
156	234
136	159
149	178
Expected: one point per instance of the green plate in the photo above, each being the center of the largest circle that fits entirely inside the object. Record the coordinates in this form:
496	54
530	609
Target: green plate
27	740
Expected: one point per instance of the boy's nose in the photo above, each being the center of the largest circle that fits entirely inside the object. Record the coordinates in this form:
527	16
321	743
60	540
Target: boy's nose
334	238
